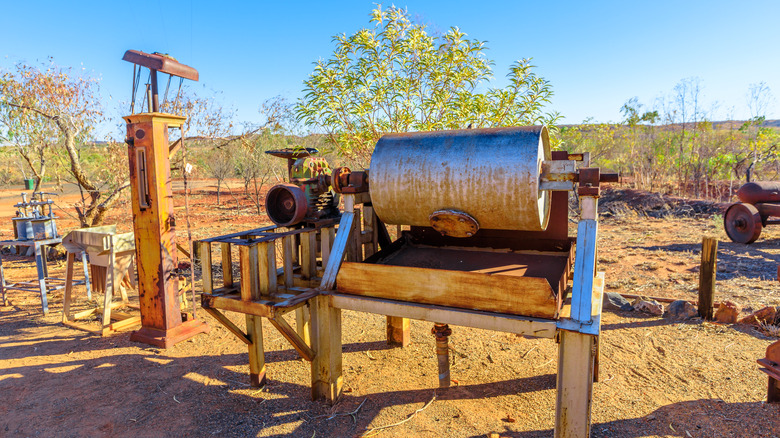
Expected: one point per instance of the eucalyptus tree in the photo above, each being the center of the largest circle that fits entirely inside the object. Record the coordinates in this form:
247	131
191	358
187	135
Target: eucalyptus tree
395	77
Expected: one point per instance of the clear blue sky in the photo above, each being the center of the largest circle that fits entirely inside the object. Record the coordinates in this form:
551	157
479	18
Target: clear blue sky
596	54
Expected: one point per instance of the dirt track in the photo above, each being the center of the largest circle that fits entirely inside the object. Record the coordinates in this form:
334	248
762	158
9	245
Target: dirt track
658	378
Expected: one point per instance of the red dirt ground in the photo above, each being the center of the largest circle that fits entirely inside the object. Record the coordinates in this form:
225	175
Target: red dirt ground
658	377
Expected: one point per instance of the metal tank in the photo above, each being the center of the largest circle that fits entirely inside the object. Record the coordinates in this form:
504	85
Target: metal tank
490	175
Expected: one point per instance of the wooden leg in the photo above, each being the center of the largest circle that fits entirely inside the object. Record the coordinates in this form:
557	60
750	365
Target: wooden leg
596	358
85	266
575	385
773	394
249	264
326	378
398	331
303	324
108	294
40	264
2	282
288	247
207	280
227	265
118	270
254	329
68	287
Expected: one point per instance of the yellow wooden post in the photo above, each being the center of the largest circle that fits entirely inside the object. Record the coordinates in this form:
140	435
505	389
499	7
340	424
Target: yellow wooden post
576	354
155	229
326	378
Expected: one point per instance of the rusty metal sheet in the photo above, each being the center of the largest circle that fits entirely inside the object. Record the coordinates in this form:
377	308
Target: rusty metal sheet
161	63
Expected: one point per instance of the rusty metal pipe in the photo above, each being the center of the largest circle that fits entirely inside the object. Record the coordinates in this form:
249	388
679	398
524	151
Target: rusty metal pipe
492	175
442	333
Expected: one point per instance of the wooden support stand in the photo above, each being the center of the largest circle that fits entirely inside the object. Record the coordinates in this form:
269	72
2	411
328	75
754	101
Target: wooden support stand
310	257
113	253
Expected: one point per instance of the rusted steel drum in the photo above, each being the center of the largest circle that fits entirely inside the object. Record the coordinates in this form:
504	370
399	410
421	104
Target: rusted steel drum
762	191
490	174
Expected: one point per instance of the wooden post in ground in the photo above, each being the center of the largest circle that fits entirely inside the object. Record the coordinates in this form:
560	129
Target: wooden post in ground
576	353
308	271
398	331
326	379
248	259
207	279
709	264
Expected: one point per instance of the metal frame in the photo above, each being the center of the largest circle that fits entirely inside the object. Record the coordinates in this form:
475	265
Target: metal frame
44	282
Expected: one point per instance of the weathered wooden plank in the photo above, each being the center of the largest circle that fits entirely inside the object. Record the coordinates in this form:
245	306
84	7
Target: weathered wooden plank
355	246
248	263
265	308
369	231
308	255
338	251
300	345
219	316
287	259
326	242
575	385
227	265
527	296
125	323
540	328
584	270
111	284
266	269
205	267
68	286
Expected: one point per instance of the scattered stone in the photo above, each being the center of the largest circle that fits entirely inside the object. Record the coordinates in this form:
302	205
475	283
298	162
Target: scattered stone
681	309
767	315
615	301
728	312
652	307
56	252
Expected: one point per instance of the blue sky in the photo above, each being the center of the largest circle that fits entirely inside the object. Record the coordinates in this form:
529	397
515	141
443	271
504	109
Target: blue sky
596	54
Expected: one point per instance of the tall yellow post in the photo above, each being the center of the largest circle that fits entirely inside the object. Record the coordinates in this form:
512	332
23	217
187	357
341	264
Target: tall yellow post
155	231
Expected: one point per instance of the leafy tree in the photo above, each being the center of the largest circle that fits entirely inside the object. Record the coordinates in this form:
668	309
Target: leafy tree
44	107
395	77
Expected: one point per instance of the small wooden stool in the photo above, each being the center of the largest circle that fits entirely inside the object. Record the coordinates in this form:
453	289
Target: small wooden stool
114	253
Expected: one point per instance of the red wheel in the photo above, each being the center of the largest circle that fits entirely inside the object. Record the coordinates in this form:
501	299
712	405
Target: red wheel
286	204
743	223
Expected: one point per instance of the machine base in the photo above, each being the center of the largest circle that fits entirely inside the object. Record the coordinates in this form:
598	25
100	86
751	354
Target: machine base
169	338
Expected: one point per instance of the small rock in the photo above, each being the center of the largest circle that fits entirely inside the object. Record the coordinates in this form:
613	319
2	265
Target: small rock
681	309
652	307
56	252
727	312
767	315
615	301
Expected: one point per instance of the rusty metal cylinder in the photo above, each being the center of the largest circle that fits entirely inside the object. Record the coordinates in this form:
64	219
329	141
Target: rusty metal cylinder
442	333
761	191
491	175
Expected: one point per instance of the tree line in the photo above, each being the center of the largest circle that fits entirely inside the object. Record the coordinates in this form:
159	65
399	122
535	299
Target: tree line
394	75
676	148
